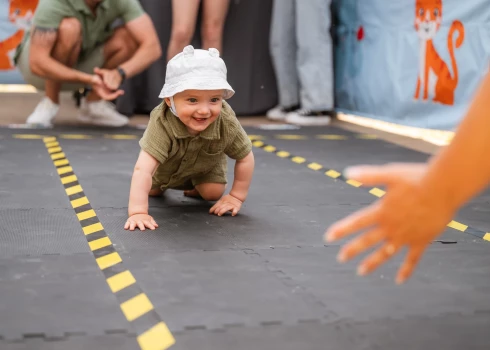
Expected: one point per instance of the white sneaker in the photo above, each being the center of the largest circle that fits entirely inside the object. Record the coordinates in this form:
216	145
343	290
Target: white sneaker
102	113
44	112
280	112
307	117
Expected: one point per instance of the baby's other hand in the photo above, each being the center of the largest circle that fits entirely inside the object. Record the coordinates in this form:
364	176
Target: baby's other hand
141	221
225	204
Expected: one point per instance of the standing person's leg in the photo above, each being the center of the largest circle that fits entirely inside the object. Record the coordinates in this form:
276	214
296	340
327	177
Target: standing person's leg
283	53
184	15
315	63
213	22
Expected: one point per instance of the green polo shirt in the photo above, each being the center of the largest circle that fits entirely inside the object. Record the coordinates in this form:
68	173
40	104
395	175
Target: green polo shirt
184	157
96	28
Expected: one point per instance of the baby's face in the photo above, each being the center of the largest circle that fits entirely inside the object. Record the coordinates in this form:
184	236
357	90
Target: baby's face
197	109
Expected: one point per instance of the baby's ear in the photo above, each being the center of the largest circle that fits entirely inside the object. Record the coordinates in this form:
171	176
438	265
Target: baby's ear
167	101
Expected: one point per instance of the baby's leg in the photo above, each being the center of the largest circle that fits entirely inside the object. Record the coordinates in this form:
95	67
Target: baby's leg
211	186
210	191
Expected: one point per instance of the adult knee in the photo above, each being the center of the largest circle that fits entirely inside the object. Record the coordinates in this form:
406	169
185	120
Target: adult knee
124	42
212	30
182	35
69	32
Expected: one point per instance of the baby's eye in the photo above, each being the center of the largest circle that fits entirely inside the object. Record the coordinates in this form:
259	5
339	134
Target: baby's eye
216	99
192	100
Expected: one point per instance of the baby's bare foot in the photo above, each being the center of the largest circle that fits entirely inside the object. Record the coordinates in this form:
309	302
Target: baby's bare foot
192	193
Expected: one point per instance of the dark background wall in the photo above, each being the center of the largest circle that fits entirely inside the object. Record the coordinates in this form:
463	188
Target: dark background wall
245	51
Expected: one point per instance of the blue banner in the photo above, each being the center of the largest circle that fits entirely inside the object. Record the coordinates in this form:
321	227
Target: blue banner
410	62
15	18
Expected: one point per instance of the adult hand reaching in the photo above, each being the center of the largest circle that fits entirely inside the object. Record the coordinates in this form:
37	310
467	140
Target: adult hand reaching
407	215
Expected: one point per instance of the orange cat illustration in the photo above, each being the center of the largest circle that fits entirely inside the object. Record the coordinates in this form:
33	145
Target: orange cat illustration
428	19
20	14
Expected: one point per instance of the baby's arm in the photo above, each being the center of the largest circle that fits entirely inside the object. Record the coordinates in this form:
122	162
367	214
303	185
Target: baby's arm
244	169
141	182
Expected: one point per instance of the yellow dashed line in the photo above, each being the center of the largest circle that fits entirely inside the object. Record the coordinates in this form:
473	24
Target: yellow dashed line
136	307
75	137
54	149
88	230
269	148
283	154
108	260
52	144
354	183
58	156
332	173
122	137
487	237
68	179
298	160
258	143
73	190
377	192
27	136
61	162
291	137
99	243
457	226
331	137
64	170
121	281
79	202
255	137
86	215
156	338
155	335
367	137
315	166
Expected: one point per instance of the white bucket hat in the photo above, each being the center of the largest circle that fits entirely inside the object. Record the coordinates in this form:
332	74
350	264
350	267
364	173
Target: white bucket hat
196	70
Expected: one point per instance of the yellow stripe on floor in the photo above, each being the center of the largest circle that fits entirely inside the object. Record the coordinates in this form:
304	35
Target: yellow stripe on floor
99	243
332	173
457	226
88	230
315	166
73	190
69	179
377	192
108	260
354	183
61	162
58	156
156	338
298	160
86	215
283	154
136	307
64	170
120	281
79	202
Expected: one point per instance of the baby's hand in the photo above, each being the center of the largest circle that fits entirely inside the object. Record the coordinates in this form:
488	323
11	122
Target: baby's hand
142	221
226	203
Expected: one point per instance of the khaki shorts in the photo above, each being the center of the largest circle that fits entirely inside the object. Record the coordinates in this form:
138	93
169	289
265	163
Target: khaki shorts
217	175
87	65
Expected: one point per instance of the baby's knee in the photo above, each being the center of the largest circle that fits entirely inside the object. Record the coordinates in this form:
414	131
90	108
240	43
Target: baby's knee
211	191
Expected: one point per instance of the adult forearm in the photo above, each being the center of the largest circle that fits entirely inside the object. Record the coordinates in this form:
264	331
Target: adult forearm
244	169
49	68
138	196
144	56
462	169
